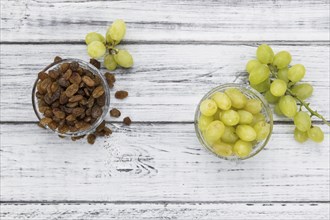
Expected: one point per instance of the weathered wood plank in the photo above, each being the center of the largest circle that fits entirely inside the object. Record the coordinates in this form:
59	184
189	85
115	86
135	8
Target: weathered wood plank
66	20
166	82
169	211
157	162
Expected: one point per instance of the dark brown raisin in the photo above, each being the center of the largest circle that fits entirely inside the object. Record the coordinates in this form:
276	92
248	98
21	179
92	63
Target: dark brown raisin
90	102
101	100
101	126
74	66
63	82
121	94
57	59
110	79
115	113
96	111
107	131
127	121
95	63
78	111
63	99
91	138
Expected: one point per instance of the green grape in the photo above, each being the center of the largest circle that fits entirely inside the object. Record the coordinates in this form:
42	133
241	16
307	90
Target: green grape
117	30
282	59
109	62
277	110
296	73
124	59
96	49
109	39
283	74
229	136
288	106
262	129
238	99
256	118
270	98
303	91
204	121
251	65
245	117
242	148
253	106
303	121
246	132
263	86
230	117
214	131
222	100
217	116
316	134
300	136
259	74
265	54
222	149
278	87
208	107
93	36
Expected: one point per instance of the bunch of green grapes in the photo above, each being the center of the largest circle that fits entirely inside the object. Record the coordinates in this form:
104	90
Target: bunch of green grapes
99	46
231	123
273	76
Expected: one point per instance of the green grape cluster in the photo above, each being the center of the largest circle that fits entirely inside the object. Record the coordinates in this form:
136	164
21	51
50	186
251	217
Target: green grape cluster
99	46
231	123
279	81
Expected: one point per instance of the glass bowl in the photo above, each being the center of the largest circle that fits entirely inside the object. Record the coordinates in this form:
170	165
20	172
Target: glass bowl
95	71
251	94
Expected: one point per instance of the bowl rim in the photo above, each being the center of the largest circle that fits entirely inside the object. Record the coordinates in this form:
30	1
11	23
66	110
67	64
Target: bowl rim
243	87
106	107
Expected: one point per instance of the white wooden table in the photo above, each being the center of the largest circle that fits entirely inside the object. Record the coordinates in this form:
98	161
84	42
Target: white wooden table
156	168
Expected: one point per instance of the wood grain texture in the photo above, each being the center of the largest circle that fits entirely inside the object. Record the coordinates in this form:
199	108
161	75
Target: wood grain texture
171	211
157	162
166	82
70	20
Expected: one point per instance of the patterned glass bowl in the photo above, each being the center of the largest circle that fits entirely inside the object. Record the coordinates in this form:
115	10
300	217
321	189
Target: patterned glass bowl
251	94
95	71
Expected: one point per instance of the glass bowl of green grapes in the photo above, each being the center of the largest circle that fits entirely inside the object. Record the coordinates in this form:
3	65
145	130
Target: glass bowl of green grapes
233	121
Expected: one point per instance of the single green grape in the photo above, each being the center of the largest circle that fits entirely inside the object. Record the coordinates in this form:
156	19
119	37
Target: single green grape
96	49
296	73
222	100
253	105
259	74
270	98
109	62
282	59
256	118
245	117
124	59
242	148
117	30
288	106
283	74
262	129
238	99
109	39
303	121
246	132
263	86
94	36
300	136
303	91
277	110
204	121
278	87
208	107
222	149
214	131
230	117
229	136
265	54
316	134
251	65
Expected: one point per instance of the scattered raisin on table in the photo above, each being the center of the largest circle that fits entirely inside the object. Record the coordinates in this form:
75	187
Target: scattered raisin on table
121	94
115	113
95	63
127	121
91	138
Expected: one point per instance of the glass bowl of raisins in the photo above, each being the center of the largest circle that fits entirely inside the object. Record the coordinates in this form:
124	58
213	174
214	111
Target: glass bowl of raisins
233	121
71	97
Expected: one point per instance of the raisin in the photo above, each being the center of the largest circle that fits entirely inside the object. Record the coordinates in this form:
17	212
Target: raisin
53	74
53	125
100	127
63	82
88	81
64	67
91	138
78	111
59	114
115	113
101	100
127	121
57	59
54	86
45	121
98	91
96	111
71	90
74	66
121	94
107	131
63	99
67	74
97	80
110	79
76	98
75	78
90	102
55	104
48	113
42	76
95	63
63	129
70	118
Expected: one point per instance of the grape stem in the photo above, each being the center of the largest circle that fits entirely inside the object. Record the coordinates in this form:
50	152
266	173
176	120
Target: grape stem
306	105
273	71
